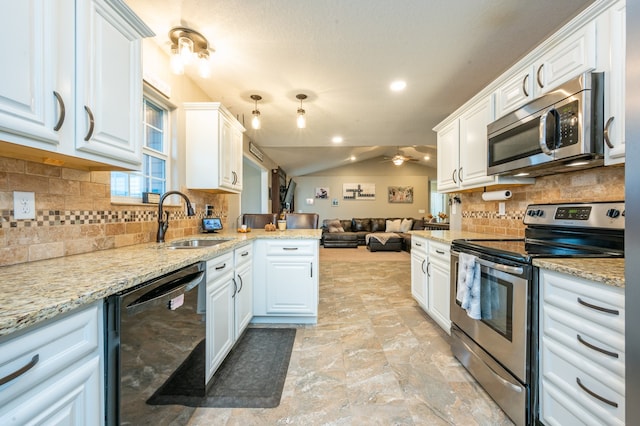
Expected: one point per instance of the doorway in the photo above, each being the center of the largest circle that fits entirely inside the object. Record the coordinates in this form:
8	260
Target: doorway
255	187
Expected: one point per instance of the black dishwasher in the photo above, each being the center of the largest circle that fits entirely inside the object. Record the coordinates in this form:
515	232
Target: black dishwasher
151	329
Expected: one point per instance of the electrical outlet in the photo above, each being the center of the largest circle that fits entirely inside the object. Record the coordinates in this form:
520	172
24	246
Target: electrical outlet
501	209
24	205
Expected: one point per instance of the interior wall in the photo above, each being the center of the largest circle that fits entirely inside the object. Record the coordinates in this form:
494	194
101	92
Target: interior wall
382	175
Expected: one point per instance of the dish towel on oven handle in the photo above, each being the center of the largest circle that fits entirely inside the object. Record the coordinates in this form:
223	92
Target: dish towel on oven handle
468	293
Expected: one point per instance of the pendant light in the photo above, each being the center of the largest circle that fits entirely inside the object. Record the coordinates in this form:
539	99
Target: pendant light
255	120
301	121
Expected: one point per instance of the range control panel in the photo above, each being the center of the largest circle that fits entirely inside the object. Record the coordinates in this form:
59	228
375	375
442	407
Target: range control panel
608	215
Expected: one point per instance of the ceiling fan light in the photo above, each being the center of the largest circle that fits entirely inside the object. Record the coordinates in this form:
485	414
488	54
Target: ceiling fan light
397	161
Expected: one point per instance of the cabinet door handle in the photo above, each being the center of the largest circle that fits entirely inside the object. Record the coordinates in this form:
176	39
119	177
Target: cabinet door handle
19	372
524	85
422	266
63	111
235	288
311	269
598	308
460	174
596	348
218	268
453	175
289	248
595	395
539	76
91	123
241	283
428	272
606	136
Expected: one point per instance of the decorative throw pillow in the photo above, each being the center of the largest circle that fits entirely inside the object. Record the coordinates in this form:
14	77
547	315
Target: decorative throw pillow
393	225
335	226
406	224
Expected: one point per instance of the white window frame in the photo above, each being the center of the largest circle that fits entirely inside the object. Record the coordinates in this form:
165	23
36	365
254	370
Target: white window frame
151	95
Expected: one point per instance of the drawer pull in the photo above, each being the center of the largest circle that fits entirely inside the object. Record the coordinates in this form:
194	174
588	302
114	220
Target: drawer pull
218	268
440	251
595	395
246	253
21	371
289	248
595	348
598	308
418	244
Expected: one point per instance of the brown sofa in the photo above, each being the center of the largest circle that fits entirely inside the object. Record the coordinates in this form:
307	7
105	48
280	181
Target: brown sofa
353	232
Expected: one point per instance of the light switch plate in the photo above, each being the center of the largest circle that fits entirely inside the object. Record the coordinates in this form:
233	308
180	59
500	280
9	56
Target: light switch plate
24	205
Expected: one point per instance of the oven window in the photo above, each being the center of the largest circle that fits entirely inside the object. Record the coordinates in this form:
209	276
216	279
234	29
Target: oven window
496	304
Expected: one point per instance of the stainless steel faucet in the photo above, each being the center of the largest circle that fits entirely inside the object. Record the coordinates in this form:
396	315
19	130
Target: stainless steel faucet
164	224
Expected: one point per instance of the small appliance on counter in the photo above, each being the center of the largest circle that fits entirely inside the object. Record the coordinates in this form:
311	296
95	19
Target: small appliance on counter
211	224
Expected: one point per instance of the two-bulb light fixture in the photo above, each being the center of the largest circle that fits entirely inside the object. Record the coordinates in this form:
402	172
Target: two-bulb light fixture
301	120
187	45
255	120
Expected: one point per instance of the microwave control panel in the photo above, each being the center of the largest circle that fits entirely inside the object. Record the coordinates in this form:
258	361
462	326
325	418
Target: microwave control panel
569	128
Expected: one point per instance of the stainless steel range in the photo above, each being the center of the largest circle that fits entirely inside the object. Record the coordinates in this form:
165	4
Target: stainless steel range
494	295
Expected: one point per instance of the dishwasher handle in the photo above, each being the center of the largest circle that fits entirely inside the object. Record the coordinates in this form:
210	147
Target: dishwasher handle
164	292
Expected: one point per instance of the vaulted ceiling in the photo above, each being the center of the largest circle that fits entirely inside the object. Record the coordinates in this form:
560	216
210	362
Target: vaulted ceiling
343	54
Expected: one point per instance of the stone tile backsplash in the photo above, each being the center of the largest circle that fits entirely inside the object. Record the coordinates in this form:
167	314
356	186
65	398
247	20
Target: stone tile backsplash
598	184
74	214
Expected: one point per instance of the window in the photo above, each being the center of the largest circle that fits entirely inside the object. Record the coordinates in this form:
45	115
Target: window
129	186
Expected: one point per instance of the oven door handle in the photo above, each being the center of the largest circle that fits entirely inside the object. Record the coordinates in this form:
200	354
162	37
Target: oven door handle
501	379
501	267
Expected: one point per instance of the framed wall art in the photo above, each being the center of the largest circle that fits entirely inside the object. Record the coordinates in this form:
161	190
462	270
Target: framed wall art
322	192
359	191
400	194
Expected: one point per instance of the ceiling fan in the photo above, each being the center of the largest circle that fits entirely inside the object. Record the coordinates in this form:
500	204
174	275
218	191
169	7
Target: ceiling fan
400	158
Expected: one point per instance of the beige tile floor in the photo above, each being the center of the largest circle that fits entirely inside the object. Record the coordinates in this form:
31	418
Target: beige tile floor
374	358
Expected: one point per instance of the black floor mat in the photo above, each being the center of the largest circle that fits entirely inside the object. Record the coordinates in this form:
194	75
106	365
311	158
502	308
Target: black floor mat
252	375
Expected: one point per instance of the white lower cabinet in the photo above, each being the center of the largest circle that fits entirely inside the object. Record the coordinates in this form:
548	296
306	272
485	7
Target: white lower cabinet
220	316
229	297
439	283
419	253
58	372
582	358
286	281
430	278
244	282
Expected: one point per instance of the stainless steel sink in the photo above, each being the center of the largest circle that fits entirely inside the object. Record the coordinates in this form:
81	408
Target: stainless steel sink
193	244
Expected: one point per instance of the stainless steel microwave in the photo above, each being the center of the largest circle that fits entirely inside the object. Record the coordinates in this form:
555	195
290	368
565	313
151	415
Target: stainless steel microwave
558	132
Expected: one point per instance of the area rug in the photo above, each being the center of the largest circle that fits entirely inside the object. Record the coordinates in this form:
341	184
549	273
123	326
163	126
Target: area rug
252	375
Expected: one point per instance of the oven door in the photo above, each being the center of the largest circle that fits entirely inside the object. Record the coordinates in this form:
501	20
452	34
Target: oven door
502	330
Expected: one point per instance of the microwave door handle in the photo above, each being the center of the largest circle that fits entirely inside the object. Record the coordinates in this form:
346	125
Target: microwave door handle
542	132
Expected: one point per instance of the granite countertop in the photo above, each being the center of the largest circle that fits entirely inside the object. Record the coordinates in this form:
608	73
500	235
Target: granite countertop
604	271
36	291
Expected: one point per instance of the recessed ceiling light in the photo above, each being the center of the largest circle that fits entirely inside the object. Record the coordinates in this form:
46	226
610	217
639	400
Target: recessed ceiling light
337	139
352	158
398	85
426	158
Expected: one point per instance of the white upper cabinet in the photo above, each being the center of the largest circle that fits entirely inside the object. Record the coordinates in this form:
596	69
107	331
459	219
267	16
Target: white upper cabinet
214	148
81	98
554	65
615	85
462	150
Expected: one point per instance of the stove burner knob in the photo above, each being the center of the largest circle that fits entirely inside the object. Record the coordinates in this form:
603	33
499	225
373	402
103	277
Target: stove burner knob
539	213
613	213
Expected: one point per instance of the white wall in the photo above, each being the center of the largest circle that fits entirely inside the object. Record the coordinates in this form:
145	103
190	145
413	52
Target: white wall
382	175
